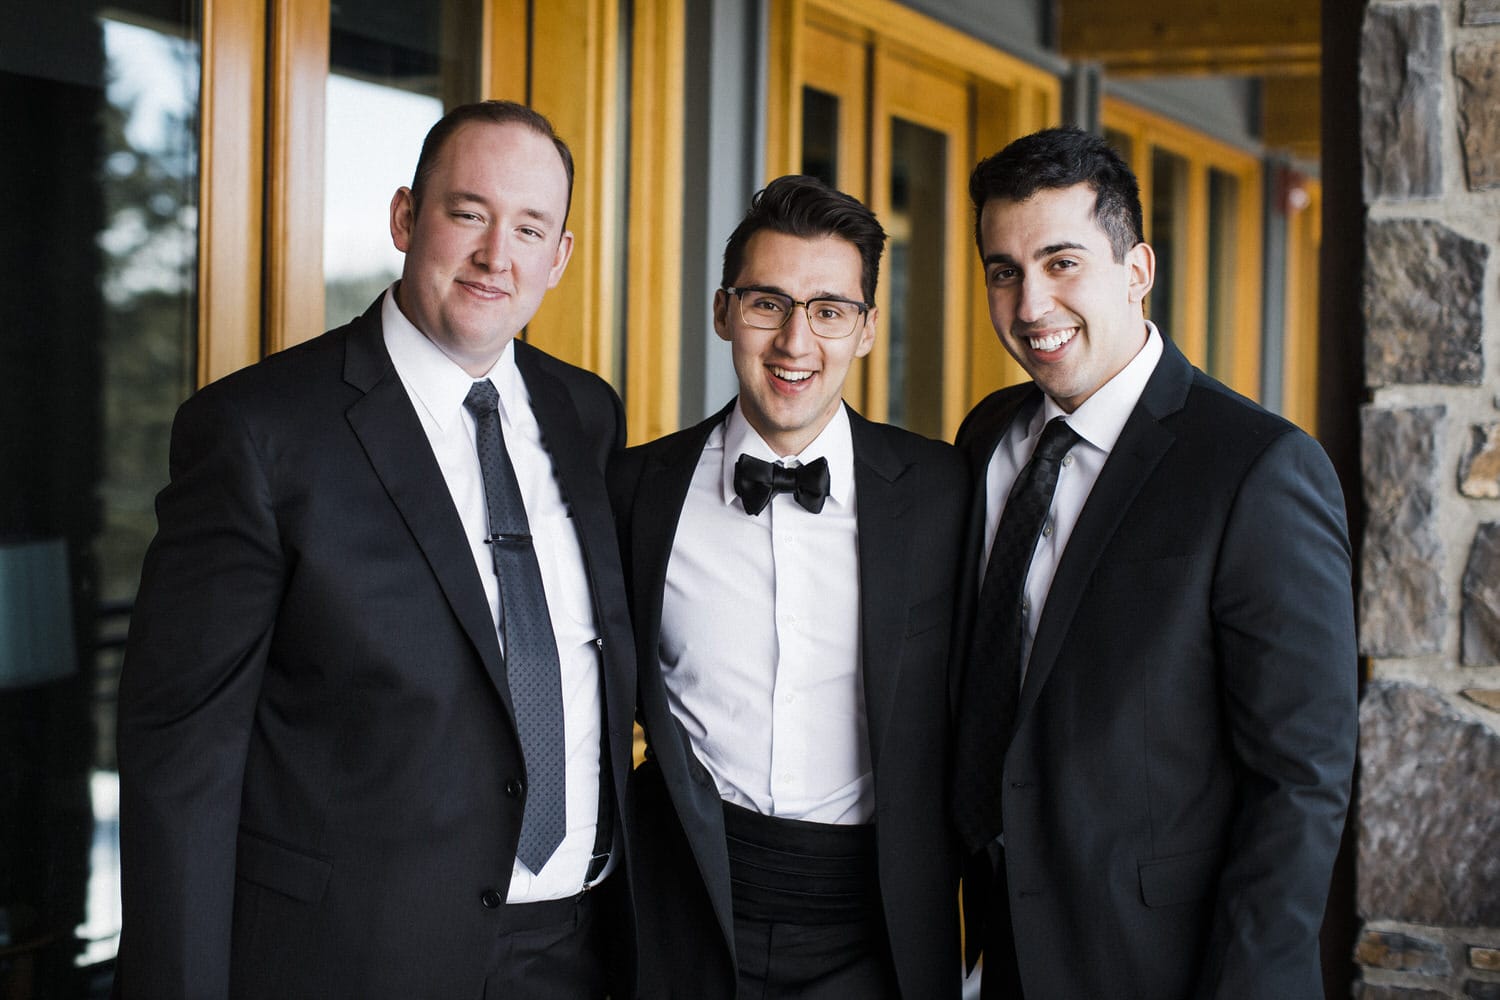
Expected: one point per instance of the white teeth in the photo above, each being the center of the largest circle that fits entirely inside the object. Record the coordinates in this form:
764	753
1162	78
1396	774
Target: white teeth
1051	342
791	376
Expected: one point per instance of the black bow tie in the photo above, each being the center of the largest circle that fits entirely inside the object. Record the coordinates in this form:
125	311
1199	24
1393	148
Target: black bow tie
757	482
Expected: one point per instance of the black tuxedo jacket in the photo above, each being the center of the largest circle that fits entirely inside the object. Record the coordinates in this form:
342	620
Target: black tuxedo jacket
911	496
320	770
1175	789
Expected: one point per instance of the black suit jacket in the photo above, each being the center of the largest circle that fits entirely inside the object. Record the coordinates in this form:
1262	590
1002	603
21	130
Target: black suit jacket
911	495
1176	787
317	750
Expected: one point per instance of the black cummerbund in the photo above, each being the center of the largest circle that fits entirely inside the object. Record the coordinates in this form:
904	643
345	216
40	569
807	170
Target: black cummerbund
793	871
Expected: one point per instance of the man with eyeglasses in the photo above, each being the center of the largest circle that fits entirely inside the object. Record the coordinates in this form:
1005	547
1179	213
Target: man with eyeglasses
791	572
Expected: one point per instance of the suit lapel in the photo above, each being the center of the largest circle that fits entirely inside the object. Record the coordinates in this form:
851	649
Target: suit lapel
393	439
884	493
1135	456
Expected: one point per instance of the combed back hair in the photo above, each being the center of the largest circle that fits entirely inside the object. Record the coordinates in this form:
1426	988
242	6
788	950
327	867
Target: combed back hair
490	113
805	207
1057	158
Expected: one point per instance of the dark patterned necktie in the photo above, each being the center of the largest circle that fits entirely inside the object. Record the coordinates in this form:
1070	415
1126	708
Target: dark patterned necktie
992	678
757	481
531	665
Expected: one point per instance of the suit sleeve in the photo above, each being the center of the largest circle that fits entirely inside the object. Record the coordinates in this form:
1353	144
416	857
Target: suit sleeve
199	636
1284	625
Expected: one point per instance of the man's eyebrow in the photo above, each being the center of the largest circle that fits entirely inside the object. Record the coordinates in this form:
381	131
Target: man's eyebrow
827	293
1046	251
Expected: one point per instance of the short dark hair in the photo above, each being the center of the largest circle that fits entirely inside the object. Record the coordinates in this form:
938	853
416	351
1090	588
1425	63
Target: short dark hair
802	206
1060	158
491	113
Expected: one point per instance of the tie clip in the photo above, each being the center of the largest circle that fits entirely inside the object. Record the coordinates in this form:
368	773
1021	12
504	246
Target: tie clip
523	538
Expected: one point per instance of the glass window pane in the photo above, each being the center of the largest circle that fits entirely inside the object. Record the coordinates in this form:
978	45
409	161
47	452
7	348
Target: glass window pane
1223	216
99	110
820	136
913	331
1168	236
394	68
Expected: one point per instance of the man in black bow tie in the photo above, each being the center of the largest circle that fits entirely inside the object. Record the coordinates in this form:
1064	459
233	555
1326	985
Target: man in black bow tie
791	570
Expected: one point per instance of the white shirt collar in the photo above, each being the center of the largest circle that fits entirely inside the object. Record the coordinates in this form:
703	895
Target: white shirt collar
437	382
835	443
1101	418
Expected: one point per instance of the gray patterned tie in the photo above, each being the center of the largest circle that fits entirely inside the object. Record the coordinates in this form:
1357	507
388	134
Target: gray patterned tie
531	664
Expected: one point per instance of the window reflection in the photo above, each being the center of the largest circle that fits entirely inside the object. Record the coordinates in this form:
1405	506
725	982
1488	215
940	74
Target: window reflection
918	238
820	136
98	279
1168	236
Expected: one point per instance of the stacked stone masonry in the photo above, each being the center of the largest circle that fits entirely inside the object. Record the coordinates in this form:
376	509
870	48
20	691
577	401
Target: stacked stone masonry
1428	807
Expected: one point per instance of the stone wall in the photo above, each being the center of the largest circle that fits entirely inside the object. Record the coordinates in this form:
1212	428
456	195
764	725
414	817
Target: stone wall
1428	789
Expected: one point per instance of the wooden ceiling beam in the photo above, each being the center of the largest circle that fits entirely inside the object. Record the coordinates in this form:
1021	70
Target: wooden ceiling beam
1187	37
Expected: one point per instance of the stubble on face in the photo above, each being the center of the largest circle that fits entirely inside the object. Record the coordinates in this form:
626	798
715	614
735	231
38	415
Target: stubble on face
1063	307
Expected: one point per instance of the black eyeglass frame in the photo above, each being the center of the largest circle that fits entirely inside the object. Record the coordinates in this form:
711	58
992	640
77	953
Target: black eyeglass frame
863	307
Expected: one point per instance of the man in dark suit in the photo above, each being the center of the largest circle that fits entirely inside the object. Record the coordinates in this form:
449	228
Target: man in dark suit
363	754
791	569
1157	720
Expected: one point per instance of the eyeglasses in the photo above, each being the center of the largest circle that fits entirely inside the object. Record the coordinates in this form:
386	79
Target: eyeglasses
833	319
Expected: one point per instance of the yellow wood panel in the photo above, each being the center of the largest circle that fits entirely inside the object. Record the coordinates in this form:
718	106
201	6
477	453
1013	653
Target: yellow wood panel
502	59
839	65
1292	114
654	310
575	83
229	226
903	26
1300	339
294	192
784	88
1244	374
1200	152
906	91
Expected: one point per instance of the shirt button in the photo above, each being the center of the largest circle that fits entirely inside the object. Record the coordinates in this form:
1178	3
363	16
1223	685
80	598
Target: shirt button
1047	530
1026	606
1067	459
789	697
491	899
513	788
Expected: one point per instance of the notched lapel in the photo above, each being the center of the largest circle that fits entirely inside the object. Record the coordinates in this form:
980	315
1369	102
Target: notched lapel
391	433
1140	448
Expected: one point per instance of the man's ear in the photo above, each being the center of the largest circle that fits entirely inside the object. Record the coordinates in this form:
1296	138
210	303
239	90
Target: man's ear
722	325
561	258
403	218
867	333
1140	260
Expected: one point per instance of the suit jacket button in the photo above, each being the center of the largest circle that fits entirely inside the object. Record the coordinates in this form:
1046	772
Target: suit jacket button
490	898
513	788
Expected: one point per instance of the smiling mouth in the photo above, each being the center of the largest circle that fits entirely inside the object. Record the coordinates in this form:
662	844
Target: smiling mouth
1052	341
787	375
487	291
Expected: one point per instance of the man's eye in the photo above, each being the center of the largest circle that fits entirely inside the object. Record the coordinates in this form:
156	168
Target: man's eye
767	305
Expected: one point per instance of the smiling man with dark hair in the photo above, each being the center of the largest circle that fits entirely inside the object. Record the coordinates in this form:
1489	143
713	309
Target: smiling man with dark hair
791	569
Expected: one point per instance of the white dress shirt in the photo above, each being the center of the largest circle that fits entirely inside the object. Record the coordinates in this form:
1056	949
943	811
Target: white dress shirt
1098	421
760	631
437	387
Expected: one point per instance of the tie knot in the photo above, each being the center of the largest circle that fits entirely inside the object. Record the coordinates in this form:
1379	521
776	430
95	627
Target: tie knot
1057	438
483	398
